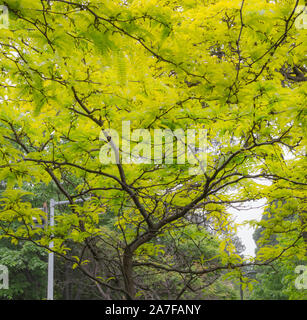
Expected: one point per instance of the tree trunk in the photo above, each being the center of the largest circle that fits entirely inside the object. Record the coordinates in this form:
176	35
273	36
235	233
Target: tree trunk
127	273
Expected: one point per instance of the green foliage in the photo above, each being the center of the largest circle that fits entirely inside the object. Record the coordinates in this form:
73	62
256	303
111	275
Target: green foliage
27	271
71	70
277	281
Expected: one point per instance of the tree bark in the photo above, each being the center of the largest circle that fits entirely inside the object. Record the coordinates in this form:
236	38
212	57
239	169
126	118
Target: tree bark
128	273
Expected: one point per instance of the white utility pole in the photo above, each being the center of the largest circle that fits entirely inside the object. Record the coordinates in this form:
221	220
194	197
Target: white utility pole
51	254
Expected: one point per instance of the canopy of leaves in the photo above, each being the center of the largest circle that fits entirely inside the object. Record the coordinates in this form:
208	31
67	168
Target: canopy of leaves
70	69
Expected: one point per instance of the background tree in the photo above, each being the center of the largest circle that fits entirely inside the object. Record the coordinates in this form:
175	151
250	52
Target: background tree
27	270
277	281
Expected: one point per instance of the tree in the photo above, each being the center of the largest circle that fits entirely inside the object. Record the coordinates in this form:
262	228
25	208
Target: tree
27	271
277	281
73	70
